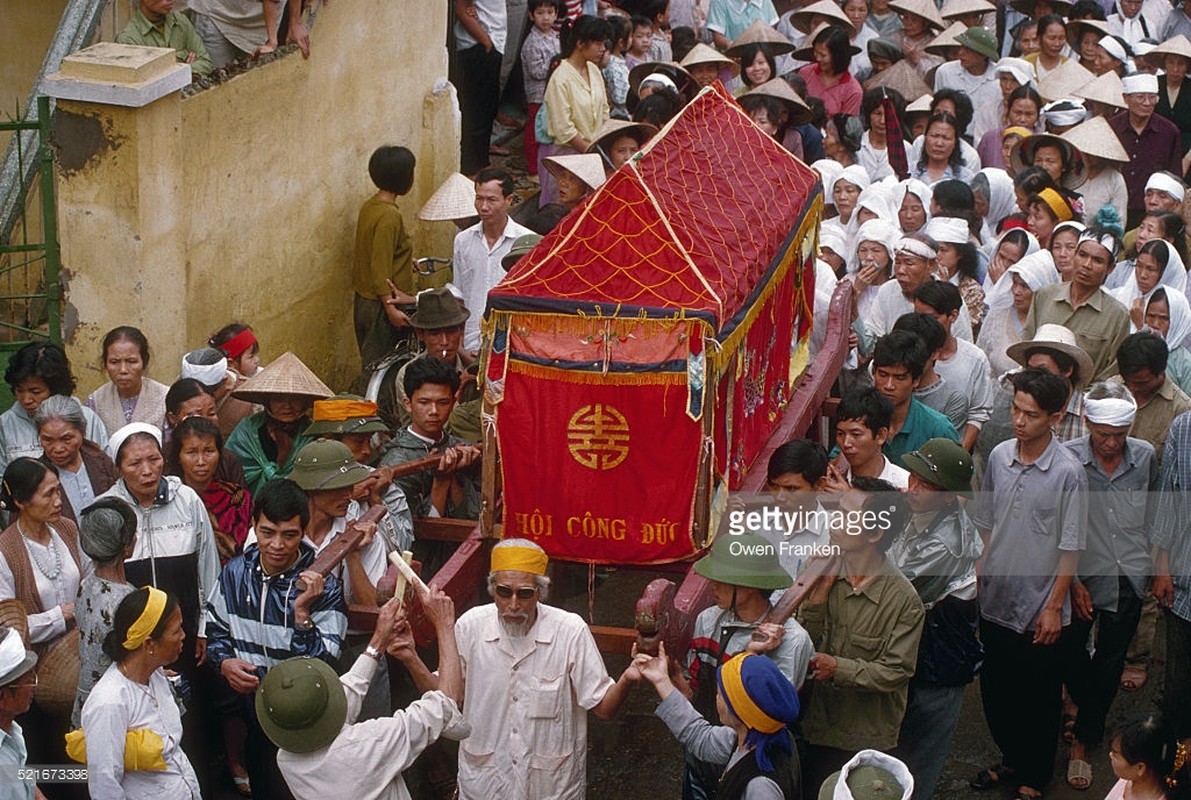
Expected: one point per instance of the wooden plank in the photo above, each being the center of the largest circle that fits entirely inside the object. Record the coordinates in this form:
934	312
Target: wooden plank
441	529
612	639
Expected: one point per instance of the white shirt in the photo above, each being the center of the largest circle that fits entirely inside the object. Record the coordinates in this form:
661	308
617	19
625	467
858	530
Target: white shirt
116	706
527	702
366	759
477	269
77	486
899	477
891	303
981	89
968	370
493	17
13	754
49	624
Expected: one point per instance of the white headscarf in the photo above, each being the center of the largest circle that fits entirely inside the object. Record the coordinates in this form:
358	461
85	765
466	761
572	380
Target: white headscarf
878	199
828	170
1174	276
911	186
1180	317
1035	270
1002	201
881	231
996	293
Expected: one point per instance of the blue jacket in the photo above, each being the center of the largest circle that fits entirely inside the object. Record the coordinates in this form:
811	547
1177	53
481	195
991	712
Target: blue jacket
250	614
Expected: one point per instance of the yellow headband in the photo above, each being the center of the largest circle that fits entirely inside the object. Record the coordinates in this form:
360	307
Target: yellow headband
1055	202
140	630
1015	130
342	410
519	559
743	705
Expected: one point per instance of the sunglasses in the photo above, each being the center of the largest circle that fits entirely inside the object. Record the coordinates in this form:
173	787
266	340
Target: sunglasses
522	593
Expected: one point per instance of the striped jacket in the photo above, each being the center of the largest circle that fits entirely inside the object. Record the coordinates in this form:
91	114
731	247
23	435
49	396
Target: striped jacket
250	614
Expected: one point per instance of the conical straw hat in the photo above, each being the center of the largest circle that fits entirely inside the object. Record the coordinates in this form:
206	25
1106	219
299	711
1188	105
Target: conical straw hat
286	375
959	8
1095	137
1022	156
923	8
921	105
806	52
702	54
903	78
946	39
587	167
13	615
1106	89
1064	81
1177	46
1076	28
454	199
58	674
796	107
760	33
803	19
671	69
613	129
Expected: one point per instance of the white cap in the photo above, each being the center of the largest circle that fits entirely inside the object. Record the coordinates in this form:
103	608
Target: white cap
948	229
1165	183
1140	83
118	438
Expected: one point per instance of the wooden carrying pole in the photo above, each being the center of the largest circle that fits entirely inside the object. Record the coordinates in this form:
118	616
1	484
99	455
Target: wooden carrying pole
346	542
784	608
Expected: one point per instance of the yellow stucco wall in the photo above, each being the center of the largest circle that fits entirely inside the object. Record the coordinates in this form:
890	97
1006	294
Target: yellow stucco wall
239	203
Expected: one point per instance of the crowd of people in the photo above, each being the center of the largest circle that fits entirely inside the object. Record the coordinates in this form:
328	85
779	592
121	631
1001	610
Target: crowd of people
1004	198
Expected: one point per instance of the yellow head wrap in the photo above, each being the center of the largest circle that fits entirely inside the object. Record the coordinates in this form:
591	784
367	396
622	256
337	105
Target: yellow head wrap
519	559
142	629
338	410
1058	206
743	706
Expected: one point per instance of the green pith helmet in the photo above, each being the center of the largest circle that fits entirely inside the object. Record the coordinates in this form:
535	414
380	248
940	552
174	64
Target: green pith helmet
521	245
744	559
342	426
866	782
942	462
327	464
301	705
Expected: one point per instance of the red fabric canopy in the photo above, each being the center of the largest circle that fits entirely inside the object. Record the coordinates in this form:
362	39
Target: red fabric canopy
692	223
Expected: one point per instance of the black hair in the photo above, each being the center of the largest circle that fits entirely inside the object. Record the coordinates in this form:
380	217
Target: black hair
191	426
1024	93
963	107
968	260
281	499
1050	19
392	168
586	28
1173	230
182	390
21	479
871	101
956	199
1017	30
650	9
639	21
886	504
773	108
1142	350
126	333
127	613
1063	361
534	5
1037	199
818	112
1033	180
1049	391
1146	738
873	409
422	371
899	348
133	439
796	83
801	457
621	29
850	143
1018	237
1159	250
41	360
926	327
489	174
1086	9
659	108
748	54
682	39
942	296
229	332
839	47
955	160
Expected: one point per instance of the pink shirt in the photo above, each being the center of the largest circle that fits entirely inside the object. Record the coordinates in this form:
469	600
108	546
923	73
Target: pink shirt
843	98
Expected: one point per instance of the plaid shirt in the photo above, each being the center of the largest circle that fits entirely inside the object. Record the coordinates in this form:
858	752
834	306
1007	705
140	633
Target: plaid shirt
1072	425
1171	528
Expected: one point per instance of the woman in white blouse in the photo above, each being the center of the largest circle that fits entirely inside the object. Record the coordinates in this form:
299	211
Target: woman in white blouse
131	716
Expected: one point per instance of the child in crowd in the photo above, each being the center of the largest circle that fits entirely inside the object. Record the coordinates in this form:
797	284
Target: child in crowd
382	268
239	343
540	48
616	70
1148	761
658	12
639	41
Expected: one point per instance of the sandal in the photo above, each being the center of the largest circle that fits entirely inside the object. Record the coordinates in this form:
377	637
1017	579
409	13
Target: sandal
243	787
1079	774
1133	678
991	777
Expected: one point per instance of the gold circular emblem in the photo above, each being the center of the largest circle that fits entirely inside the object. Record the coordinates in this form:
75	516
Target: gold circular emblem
598	437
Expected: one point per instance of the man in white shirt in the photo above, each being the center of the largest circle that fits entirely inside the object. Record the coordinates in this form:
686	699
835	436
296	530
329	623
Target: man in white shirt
481	33
531	673
862	428
480	248
17	682
973	72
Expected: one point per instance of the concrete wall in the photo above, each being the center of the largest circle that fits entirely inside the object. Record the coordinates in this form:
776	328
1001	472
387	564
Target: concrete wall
239	202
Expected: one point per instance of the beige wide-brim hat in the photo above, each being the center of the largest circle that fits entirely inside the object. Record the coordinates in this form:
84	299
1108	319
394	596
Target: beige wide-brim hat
797	109
804	18
903	78
1076	28
1095	137
671	69
1106	89
1022	156
1178	46
587	167
613	129
1066	79
806	51
287	375
946	39
1055	337
960	8
760	33
921	105
702	54
923	8
454	199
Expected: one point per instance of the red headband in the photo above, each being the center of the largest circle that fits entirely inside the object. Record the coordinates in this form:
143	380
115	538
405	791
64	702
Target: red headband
238	344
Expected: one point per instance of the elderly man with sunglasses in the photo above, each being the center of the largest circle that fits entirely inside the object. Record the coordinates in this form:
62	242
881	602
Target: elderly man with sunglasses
531	673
